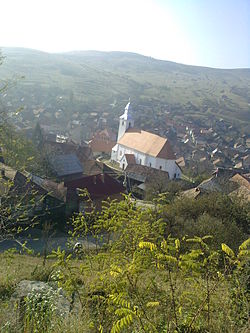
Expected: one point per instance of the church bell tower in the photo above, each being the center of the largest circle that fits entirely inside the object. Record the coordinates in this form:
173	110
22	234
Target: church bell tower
126	120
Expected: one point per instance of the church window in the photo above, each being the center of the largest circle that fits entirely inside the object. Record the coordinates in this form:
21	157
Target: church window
140	160
160	167
129	124
150	164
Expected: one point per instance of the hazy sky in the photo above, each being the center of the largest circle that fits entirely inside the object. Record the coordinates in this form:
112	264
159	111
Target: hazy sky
213	33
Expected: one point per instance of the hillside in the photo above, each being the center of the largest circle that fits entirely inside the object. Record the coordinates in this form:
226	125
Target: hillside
87	82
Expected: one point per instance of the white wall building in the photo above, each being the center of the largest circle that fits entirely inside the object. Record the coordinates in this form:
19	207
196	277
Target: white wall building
143	147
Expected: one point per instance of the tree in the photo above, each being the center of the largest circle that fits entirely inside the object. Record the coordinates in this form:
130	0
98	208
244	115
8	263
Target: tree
16	206
161	184
140	280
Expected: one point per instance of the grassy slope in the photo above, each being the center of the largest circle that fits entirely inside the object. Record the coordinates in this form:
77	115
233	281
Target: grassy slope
98	78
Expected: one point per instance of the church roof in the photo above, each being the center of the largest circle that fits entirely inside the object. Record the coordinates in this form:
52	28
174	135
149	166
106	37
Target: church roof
147	143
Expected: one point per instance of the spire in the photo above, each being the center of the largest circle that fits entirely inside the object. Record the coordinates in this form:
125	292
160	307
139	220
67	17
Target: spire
126	120
128	112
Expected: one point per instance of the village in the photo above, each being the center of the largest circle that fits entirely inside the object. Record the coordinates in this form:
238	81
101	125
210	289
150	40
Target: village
184	159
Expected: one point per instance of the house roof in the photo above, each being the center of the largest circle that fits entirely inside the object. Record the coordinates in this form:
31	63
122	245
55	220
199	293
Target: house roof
238	165
65	165
55	190
130	158
7	171
245	158
181	162
105	134
147	143
83	151
25	181
241	180
193	193
93	167
98	186
143	173
242	192
98	145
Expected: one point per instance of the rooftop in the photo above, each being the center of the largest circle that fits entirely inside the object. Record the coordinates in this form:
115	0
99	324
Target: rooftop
147	143
130	158
143	173
65	165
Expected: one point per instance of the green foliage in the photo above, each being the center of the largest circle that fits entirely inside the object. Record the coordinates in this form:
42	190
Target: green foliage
226	219
143	281
164	187
238	268
19	152
39	309
136	277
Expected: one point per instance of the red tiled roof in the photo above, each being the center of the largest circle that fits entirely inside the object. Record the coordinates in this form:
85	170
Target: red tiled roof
98	145
98	186
107	133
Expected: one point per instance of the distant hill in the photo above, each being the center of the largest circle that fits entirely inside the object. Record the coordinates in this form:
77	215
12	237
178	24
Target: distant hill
85	82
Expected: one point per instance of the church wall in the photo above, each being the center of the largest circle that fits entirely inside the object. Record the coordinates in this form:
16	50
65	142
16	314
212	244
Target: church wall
169	166
150	161
165	165
140	158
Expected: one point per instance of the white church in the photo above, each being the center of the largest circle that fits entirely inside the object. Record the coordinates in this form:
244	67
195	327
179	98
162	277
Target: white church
140	147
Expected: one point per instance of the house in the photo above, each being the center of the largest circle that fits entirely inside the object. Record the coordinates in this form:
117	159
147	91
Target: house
53	142
66	166
100	187
246	161
82	151
193	193
248	143
181	162
219	182
127	159
32	197
142	173
148	149
243	189
94	167
241	180
227	181
103	141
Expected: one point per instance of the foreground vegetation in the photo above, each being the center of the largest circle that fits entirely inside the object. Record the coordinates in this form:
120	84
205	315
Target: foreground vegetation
163	269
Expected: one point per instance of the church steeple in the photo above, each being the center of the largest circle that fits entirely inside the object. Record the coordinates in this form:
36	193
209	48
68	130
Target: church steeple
126	120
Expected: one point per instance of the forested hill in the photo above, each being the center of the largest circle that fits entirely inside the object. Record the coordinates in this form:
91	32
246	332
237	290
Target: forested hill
91	81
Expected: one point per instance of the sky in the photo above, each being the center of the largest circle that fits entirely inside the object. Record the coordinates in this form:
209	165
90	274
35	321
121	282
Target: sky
213	33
